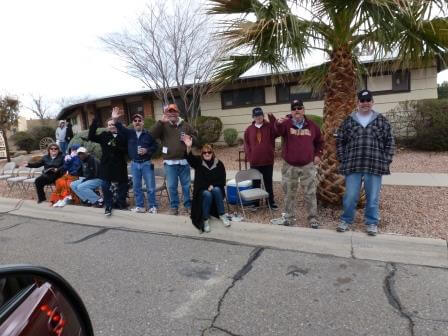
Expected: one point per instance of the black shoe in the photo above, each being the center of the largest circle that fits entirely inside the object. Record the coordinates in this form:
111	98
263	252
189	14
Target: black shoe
40	201
108	211
273	206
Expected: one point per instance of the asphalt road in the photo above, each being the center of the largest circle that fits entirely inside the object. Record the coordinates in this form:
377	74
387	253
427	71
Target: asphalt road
141	283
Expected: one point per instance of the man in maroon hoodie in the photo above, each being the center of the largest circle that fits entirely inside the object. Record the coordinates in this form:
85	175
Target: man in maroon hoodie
302	148
259	145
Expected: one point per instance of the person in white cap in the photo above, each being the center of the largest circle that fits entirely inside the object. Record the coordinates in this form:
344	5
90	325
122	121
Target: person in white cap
89	180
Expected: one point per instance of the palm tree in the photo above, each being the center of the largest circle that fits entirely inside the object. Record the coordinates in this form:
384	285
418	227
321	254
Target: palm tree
273	32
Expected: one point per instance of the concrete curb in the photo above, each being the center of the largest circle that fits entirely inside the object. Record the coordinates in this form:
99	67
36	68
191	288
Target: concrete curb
387	248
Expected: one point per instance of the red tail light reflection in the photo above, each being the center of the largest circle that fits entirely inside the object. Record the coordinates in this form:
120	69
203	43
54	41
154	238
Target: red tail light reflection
56	322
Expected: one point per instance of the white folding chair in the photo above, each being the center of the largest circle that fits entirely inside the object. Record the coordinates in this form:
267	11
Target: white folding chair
7	171
251	194
34	174
20	175
159	174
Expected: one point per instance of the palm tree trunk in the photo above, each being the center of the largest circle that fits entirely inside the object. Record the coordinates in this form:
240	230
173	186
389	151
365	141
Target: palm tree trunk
340	101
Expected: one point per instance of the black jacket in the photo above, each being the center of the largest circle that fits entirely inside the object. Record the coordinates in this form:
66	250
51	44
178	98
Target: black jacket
69	133
203	178
49	164
113	165
90	168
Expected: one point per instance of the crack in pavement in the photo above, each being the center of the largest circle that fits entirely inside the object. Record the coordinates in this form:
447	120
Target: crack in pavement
352	249
11	226
100	232
254	255
392	296
16	207
430	320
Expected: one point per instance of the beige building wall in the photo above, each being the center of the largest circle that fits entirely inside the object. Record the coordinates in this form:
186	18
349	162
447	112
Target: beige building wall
423	86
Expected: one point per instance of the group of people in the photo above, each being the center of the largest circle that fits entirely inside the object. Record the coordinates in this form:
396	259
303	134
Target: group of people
365	147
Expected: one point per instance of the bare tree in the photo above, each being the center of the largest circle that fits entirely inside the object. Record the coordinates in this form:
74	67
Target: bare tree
9	117
172	51
40	107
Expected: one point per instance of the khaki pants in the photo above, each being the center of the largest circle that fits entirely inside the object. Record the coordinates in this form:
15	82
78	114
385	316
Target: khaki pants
290	180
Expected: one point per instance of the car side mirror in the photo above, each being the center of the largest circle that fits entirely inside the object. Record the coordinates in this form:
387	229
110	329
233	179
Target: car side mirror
37	301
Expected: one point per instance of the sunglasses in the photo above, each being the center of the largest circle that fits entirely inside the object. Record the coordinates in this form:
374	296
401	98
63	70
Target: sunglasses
137	120
208	152
365	100
54	148
297	109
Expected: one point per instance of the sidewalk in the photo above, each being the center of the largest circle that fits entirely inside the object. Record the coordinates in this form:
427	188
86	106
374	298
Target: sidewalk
388	248
401	179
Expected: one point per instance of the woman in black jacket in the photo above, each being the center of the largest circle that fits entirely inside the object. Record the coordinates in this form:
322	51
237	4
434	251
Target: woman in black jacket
208	187
113	165
53	163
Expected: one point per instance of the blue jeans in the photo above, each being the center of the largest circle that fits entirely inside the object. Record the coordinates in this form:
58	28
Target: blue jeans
372	186
63	146
207	199
108	196
174	173
145	170
85	190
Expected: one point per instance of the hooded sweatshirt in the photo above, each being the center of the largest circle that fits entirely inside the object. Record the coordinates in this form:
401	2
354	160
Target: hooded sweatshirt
259	144
300	146
173	148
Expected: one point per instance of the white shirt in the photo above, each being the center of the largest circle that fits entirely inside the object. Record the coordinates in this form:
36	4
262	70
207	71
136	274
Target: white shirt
364	119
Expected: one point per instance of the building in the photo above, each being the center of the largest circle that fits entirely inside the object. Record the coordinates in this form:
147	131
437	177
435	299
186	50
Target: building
233	104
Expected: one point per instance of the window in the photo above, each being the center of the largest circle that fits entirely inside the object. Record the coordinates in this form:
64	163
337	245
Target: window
401	81
243	97
134	108
287	93
391	82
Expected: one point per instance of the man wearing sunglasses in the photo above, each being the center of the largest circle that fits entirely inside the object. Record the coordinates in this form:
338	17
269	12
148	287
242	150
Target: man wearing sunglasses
365	147
301	151
141	146
171	131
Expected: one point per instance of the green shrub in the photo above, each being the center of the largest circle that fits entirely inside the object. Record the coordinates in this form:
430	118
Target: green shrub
39	132
431	125
23	141
209	129
316	119
80	138
230	136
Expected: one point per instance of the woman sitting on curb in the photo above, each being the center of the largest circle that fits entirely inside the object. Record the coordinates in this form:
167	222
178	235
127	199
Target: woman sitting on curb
53	167
72	166
208	187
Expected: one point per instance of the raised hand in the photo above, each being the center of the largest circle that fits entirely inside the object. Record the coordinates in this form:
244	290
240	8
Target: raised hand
116	112
188	140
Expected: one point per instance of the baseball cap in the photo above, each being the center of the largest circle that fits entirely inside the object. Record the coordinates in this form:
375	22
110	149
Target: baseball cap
364	94
137	115
81	150
257	111
296	103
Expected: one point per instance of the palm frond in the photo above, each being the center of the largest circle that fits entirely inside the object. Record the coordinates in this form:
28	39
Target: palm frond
232	6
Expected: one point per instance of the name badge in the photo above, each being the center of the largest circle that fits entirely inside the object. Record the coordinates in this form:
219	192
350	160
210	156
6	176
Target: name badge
165	150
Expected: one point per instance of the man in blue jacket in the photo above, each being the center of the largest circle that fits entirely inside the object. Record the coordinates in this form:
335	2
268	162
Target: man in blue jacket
141	146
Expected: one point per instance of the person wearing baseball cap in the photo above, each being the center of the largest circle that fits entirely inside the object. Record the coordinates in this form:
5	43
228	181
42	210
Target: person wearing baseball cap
365	147
89	180
259	146
171	131
141	147
60	134
301	151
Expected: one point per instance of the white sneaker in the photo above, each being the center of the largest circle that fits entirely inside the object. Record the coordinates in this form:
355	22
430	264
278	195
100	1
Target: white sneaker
138	210
56	205
225	220
153	210
206	226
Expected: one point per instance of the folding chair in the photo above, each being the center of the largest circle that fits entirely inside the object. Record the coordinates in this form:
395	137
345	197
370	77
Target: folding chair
20	175
159	174
34	174
251	194
7	171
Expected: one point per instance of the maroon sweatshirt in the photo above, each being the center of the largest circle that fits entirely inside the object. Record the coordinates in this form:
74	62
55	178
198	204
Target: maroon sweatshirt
300	146
259	144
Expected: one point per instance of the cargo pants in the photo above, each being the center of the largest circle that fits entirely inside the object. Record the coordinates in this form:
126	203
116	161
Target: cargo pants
291	175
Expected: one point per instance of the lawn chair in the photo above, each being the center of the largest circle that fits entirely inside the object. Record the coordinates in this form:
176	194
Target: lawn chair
34	174
159	174
251	194
20	175
7	171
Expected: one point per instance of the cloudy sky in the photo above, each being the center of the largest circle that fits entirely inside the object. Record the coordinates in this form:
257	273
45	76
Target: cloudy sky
52	48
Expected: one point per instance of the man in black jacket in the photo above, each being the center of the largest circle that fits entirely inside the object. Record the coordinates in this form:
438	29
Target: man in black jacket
89	181
113	166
